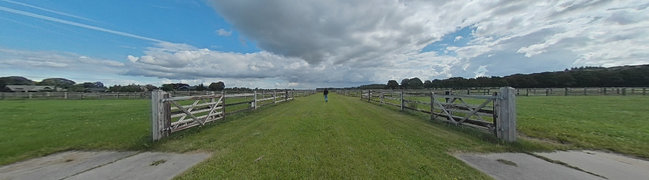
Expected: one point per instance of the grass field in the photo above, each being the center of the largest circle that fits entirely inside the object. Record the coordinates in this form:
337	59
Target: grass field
31	128
616	123
306	138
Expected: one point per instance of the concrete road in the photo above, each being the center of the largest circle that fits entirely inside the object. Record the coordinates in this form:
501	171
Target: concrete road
558	165
103	165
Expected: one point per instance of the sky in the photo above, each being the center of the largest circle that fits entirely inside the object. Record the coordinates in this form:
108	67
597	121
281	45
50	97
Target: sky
313	43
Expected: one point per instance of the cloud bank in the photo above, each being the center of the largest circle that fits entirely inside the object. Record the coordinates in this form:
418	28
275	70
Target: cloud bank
347	43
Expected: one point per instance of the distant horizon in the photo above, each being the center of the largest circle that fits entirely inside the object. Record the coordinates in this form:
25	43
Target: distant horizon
322	87
310	44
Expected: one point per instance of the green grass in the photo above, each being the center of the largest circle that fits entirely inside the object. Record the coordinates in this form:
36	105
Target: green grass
32	128
306	138
345	138
616	123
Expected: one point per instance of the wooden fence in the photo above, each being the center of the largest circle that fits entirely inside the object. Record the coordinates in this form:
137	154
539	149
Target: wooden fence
113	95
495	113
584	91
170	113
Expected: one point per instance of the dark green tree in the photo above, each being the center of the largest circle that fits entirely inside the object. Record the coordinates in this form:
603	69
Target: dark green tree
217	86
428	84
404	83
392	84
415	83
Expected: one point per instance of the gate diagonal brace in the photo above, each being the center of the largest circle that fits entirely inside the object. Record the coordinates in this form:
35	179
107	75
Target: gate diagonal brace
187	112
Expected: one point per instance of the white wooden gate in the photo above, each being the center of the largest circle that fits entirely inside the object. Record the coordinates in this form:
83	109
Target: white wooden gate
203	109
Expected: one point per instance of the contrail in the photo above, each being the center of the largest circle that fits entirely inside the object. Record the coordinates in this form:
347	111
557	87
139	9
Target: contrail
19	12
48	10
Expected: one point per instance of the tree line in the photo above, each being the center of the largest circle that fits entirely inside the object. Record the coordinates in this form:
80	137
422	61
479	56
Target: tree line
71	86
620	76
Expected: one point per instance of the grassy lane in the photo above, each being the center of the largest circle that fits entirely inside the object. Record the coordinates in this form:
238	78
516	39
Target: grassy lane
344	138
617	123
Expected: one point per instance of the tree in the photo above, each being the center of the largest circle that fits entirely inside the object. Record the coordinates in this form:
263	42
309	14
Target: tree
217	86
201	87
415	83
150	87
392	84
428	84
58	82
404	83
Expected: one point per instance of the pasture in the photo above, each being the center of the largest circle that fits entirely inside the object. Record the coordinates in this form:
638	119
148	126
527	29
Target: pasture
309	138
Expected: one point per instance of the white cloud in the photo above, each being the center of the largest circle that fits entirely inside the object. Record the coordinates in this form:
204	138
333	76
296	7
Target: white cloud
457	38
373	39
346	43
223	32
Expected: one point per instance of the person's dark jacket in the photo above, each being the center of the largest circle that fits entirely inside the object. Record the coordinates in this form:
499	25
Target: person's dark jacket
326	92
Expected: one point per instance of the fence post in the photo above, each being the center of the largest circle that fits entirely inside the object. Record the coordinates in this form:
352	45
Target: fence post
506	119
604	91
382	98
286	95
30	95
565	92
160	115
623	91
254	103
369	95
644	92
223	104
547	92
584	91
432	105
447	100
275	96
402	99
527	92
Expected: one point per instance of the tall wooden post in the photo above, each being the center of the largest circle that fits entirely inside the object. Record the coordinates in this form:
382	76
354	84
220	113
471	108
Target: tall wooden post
402	99
382	98
432	105
644	92
506	119
547	92
254	103
527	92
160	115
274	96
223	104
369	95
604	91
584	91
448	100
565	92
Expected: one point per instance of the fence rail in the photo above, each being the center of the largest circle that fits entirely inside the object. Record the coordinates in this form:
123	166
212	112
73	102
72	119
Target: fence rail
170	113
113	95
495	113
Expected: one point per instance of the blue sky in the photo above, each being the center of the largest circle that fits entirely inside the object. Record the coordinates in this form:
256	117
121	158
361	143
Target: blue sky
307	44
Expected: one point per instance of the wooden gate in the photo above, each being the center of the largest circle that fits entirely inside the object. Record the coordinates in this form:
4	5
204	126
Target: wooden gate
190	111
496	113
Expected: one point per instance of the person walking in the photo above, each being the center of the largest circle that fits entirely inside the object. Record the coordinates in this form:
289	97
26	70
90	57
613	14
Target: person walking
326	92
